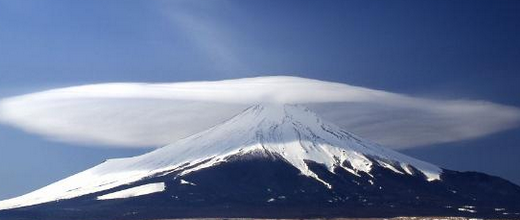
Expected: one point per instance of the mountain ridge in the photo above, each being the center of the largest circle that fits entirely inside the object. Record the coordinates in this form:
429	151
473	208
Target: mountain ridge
287	149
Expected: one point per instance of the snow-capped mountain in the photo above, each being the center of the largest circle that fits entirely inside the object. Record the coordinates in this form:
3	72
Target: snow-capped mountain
264	157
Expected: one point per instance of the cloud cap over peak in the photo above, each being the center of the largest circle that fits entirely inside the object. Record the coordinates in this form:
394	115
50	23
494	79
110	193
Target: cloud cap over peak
145	114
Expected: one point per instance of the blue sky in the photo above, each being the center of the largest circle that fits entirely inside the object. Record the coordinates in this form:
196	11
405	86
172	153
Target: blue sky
436	49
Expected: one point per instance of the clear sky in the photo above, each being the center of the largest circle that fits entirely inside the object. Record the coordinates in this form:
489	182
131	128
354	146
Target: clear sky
437	49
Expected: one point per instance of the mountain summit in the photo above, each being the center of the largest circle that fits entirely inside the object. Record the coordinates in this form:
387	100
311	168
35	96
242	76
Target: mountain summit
268	161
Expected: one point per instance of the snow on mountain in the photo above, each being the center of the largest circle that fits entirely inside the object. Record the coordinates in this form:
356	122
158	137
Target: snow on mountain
291	132
135	191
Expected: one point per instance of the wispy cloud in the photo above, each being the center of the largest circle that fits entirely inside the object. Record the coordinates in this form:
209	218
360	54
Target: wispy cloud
217	42
139	114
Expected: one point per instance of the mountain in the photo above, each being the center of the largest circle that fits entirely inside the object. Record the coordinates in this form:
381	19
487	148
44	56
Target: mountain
270	161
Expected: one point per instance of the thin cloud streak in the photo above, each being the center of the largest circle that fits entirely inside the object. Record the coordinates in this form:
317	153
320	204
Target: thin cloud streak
214	40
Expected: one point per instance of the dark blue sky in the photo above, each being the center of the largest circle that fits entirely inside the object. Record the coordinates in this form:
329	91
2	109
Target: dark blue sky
437	49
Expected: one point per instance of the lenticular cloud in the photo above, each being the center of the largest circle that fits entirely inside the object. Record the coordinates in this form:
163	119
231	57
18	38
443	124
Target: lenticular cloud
151	115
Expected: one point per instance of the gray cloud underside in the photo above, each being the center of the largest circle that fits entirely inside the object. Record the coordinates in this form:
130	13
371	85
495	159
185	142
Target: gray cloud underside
139	114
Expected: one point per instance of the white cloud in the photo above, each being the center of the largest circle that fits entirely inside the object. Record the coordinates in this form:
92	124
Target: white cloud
139	114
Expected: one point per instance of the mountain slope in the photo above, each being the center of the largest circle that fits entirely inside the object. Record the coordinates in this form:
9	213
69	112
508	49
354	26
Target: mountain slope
265	157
